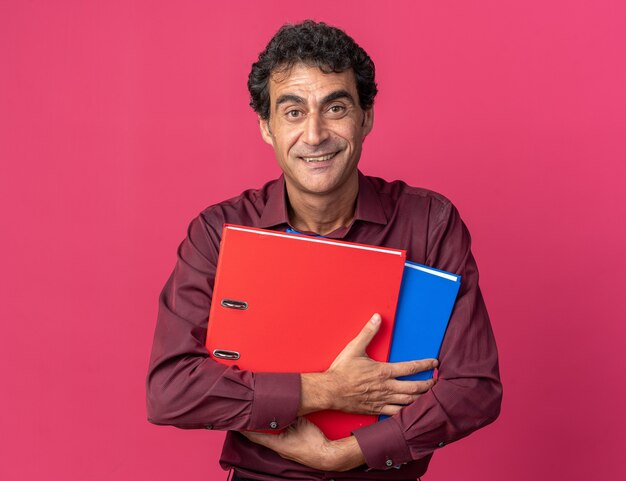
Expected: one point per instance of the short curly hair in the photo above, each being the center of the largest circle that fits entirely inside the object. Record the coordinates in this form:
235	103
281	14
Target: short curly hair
316	44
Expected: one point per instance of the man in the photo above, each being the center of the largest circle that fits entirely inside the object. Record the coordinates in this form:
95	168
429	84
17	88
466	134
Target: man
313	89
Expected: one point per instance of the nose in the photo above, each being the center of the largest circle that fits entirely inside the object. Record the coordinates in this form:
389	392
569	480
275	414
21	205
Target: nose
315	131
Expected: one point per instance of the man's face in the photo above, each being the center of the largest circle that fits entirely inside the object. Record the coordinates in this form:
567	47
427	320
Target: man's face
316	127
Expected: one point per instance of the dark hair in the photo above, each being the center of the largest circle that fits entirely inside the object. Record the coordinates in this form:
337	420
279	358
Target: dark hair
316	44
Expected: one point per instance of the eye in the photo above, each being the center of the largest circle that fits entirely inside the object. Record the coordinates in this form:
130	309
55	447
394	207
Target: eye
336	111
293	114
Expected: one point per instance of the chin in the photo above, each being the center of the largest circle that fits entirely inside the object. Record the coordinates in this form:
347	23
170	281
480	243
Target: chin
316	188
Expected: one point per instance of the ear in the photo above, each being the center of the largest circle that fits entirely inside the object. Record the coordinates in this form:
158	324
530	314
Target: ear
266	133
368	121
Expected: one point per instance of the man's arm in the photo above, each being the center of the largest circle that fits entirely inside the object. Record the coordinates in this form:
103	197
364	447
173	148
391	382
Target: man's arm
304	443
186	388
466	397
353	370
468	391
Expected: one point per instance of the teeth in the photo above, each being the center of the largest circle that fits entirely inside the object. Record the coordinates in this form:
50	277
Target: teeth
318	159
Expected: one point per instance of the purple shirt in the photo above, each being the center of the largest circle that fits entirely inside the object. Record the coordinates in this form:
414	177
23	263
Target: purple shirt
186	388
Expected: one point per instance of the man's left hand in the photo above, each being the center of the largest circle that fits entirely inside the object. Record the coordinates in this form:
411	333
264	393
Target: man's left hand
304	443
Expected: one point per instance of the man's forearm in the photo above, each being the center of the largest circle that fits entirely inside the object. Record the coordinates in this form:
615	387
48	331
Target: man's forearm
316	393
304	443
347	454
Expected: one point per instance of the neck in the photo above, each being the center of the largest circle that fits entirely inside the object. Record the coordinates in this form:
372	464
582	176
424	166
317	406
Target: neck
323	214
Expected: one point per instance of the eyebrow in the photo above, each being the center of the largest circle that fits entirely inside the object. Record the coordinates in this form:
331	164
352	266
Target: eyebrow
337	94
283	99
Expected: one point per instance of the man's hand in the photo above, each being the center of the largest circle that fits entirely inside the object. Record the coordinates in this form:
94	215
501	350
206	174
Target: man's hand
358	384
304	443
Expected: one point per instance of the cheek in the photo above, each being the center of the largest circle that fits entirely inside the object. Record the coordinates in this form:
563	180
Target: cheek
351	133
352	140
288	142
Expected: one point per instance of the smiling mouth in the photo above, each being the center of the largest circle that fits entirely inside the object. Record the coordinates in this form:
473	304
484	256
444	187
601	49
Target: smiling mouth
320	158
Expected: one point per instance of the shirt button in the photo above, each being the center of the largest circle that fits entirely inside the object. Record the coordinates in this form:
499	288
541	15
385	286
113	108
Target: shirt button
273	425
389	463
441	444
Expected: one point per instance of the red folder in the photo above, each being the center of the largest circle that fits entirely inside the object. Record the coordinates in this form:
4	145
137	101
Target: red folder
290	303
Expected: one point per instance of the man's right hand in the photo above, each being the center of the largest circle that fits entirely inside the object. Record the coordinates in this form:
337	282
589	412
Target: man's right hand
358	384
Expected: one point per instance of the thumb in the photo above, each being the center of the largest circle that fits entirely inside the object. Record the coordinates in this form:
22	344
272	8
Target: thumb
363	338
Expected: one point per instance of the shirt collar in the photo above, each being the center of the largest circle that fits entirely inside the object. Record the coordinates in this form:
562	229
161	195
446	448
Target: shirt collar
369	207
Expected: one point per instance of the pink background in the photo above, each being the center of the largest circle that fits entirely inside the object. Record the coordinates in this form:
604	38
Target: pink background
121	120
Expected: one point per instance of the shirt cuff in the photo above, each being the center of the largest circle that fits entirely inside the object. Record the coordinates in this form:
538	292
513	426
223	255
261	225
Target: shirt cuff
276	400
383	444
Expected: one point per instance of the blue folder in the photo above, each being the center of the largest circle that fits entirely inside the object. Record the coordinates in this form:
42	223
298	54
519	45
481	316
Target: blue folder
426	300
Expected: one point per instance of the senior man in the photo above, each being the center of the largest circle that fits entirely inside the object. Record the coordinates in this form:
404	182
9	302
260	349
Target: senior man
313	89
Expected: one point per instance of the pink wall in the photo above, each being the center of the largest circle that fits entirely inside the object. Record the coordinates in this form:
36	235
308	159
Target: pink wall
121	120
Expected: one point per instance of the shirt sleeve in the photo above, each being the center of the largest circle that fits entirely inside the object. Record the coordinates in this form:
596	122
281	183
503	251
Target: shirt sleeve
185	387
468	392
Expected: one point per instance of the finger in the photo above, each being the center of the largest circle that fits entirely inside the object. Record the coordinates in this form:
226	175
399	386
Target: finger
409	387
407	368
363	338
403	399
390	409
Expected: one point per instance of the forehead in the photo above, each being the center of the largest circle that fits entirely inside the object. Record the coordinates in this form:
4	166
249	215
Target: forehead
310	83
